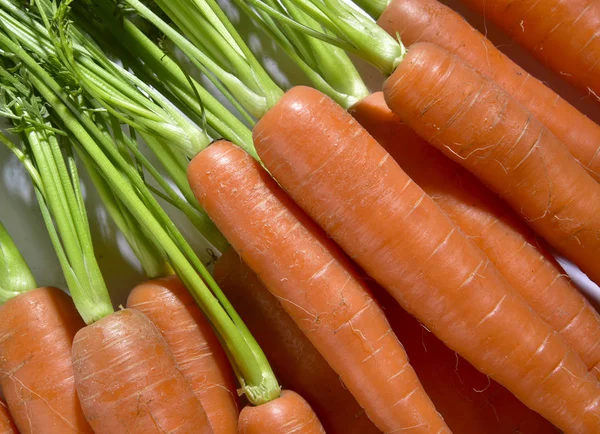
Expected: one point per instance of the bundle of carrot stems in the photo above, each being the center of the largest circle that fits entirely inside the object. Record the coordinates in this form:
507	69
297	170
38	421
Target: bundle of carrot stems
381	262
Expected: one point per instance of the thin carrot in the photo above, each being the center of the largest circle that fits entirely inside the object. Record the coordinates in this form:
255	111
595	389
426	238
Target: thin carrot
481	215
195	347
563	35
296	362
7	426
288	414
316	284
36	332
351	186
431	21
477	124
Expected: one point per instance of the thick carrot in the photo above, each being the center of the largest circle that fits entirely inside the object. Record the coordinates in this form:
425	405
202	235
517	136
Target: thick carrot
431	21
7	426
197	351
563	35
36	333
317	286
296	362
288	414
128	381
352	187
470	402
477	124
484	217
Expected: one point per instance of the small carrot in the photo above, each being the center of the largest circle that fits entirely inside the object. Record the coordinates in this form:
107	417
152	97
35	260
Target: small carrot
196	349
7	426
316	284
288	414
431	21
297	363
484	217
350	185
563	35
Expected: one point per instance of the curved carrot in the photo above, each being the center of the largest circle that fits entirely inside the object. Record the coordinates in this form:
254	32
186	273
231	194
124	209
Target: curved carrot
430	21
316	284
481	215
36	333
297	363
481	127
195	347
563	35
470	402
128	381
288	414
352	187
7	426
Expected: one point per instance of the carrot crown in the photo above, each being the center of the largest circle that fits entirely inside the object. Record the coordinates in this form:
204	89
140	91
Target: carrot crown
15	275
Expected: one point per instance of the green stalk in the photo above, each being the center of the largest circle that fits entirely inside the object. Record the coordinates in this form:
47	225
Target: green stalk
15	276
257	379
373	7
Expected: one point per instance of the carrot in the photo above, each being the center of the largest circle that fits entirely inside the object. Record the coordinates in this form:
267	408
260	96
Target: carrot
481	215
316	284
470	402
125	376
561	34
36	332
347	182
430	21
288	414
7	426
482	128
196	349
297	363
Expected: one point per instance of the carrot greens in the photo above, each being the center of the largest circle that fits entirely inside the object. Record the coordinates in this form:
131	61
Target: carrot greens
15	275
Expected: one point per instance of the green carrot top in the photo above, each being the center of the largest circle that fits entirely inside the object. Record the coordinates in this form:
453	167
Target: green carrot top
15	275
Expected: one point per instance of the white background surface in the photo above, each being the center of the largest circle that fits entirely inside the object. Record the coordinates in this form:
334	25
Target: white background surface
20	214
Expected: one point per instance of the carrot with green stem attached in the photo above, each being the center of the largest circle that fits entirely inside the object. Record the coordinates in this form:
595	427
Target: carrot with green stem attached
340	176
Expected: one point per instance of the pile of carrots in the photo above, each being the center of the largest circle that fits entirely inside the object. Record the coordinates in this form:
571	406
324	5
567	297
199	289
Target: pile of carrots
386	261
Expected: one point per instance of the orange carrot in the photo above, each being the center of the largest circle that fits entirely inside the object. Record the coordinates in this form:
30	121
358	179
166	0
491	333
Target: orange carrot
195	347
430	21
297	363
481	215
317	286
563	35
128	381
36	332
470	402
481	127
7	426
351	186
288	414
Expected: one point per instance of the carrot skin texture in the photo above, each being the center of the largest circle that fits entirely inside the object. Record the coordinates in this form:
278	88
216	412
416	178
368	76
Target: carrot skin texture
36	333
296	362
340	176
196	348
488	221
288	414
563	35
430	21
7	426
478	125
317	286
128	381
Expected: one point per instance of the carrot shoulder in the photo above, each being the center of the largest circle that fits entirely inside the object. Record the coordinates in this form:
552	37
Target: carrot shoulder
296	362
351	186
128	380
483	216
316	285
195	347
563	35
478	125
36	333
431	21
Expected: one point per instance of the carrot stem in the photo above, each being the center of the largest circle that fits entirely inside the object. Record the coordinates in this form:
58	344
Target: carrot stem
15	275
